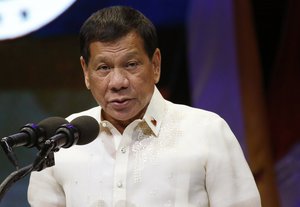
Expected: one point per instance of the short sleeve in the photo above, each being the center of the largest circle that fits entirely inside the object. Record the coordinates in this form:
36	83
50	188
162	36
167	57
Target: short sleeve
229	180
44	190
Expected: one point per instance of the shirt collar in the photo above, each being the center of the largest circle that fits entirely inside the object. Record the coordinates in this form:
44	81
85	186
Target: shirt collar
155	111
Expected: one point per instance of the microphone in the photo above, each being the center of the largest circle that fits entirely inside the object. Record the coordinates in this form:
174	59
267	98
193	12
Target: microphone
34	134
82	130
31	135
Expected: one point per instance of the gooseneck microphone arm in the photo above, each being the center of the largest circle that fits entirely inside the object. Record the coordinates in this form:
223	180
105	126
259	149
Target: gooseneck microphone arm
45	158
12	178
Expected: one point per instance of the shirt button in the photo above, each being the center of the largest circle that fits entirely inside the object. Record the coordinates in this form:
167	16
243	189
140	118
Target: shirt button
123	150
119	184
104	124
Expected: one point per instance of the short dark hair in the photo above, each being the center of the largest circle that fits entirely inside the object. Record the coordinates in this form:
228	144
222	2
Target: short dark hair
111	23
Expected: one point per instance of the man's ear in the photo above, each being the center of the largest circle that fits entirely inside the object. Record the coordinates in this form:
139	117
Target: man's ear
85	72
156	62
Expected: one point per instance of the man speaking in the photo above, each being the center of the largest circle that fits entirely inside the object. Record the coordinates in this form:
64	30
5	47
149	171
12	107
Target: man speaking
149	152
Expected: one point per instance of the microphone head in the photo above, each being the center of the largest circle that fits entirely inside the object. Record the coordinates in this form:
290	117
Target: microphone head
88	129
50	125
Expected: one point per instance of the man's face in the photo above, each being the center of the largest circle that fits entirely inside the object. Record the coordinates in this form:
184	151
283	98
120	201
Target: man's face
121	77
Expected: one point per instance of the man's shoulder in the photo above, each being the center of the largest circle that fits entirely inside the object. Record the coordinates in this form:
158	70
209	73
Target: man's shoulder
192	112
93	112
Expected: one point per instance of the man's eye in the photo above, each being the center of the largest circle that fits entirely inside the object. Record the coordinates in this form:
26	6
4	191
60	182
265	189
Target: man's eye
103	67
132	65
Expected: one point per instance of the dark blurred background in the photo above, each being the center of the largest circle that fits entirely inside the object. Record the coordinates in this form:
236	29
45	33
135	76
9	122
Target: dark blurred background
239	59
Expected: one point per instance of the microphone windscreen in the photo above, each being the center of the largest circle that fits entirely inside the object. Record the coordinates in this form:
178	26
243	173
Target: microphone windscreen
88	129
50	125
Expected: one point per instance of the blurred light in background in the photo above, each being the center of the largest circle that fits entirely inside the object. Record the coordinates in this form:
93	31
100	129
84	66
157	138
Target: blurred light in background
18	18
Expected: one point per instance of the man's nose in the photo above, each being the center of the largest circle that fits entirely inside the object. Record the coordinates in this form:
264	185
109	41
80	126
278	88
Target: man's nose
118	79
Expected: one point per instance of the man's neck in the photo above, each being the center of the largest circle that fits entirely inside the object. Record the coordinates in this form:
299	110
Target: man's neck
121	125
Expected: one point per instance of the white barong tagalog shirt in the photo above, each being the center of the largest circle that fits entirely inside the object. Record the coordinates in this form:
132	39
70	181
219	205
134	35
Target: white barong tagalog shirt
176	156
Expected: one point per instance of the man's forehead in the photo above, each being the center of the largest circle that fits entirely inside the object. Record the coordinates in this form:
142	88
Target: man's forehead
127	46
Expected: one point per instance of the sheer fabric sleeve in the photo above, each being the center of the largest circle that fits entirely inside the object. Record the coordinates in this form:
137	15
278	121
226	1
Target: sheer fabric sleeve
229	180
44	190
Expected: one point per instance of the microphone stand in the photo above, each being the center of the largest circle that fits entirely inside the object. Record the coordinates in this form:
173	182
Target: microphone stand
44	159
14	177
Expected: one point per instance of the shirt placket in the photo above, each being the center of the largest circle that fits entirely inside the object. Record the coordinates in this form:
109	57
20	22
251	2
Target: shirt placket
120	172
